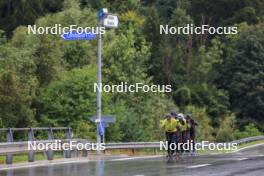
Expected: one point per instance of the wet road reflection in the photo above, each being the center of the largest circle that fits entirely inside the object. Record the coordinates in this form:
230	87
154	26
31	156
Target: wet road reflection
98	168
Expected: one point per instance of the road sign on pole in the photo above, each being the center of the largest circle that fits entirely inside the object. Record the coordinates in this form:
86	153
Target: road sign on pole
103	123
104	118
74	35
110	21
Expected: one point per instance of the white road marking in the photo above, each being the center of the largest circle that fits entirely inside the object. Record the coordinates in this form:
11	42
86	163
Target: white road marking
197	166
248	147
241	159
238	151
256	155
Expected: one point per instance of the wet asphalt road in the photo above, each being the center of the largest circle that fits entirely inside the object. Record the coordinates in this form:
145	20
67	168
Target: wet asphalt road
248	162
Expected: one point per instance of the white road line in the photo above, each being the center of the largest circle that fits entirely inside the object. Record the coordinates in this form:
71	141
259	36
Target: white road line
243	148
238	151
256	155
197	166
260	155
135	158
241	159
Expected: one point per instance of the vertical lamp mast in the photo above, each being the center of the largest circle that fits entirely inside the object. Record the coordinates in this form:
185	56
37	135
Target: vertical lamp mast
101	15
108	21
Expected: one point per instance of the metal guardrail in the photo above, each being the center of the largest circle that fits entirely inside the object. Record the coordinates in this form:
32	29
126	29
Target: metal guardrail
11	148
131	145
31	137
35	128
135	145
21	147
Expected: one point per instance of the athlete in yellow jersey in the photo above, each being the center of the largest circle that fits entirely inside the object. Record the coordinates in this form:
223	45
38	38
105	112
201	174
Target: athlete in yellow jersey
170	125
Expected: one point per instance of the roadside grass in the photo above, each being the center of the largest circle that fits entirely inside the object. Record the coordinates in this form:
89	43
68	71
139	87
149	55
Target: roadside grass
17	158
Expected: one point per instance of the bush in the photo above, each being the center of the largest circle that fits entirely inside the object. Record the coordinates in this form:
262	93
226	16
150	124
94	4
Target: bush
249	131
85	130
226	129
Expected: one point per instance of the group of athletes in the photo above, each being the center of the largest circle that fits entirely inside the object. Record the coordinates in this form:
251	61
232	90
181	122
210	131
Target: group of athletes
179	129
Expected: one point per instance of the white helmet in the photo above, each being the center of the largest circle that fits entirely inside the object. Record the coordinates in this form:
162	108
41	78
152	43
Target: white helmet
181	116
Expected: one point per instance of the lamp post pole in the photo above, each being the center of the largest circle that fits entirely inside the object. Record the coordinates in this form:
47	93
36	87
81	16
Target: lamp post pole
99	78
109	21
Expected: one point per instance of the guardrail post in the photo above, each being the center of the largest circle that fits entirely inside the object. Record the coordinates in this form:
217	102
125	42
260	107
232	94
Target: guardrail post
155	151
50	137
133	151
9	138
68	135
85	153
31	155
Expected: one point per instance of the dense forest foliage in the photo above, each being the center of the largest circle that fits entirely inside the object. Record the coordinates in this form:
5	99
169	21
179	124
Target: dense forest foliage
46	81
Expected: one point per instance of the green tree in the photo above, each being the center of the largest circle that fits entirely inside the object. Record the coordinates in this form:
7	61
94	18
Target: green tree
21	12
70	100
241	73
15	102
226	11
125	61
